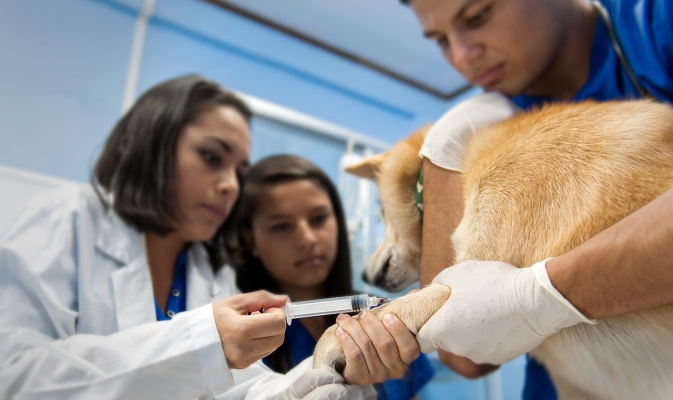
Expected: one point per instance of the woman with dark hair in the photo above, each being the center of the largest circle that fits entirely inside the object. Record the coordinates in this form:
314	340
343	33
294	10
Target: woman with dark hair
120	290
289	236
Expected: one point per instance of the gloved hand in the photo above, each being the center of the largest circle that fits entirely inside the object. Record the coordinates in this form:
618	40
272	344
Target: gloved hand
496	312
325	384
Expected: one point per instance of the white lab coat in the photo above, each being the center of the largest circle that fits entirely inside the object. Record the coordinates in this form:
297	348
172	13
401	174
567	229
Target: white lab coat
78	320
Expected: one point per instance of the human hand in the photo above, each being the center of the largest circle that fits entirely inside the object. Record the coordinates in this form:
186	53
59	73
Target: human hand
325	384
248	338
375	349
496	312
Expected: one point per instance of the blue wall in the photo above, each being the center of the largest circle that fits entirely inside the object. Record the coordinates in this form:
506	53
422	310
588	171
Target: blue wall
62	78
65	64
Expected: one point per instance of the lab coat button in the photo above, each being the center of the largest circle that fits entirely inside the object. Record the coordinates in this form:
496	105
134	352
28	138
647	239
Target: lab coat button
175	292
170	314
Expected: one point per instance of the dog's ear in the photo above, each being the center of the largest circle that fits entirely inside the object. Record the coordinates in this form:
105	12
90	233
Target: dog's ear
367	168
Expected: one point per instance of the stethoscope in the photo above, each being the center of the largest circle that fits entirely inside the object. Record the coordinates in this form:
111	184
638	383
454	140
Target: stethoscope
603	13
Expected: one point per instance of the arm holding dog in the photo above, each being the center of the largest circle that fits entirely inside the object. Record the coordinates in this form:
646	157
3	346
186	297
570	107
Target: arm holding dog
442	212
627	267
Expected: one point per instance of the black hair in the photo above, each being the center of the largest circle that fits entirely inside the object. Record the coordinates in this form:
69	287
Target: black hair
251	274
137	164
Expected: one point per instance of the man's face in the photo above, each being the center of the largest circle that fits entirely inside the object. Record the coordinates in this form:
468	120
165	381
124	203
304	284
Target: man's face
503	45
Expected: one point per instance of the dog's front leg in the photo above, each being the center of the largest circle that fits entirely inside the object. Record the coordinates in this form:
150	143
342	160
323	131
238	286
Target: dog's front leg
413	310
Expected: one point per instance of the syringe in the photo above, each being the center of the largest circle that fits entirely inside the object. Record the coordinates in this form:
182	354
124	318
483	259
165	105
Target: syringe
333	305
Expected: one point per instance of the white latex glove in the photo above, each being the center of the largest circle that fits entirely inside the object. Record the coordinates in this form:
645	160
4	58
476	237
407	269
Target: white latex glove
325	384
496	312
445	143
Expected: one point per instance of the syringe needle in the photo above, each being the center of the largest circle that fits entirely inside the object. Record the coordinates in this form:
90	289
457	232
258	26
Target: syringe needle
383	300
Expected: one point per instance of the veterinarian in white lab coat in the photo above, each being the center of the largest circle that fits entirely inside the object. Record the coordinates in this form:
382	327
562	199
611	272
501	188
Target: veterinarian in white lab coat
123	293
536	51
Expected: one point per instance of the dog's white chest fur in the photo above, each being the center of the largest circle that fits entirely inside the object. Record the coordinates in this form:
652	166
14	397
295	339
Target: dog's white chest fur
633	352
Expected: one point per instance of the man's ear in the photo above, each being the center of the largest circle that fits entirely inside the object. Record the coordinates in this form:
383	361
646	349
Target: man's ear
367	168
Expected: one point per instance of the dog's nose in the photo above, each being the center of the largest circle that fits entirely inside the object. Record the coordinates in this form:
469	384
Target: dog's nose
380	278
364	278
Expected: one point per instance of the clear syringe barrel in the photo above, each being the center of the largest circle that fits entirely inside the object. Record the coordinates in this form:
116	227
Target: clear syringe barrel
333	305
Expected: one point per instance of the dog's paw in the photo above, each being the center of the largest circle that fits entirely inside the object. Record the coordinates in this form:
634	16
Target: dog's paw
414	310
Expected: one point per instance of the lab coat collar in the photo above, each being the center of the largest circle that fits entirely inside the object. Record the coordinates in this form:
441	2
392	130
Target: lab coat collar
131	282
133	295
119	240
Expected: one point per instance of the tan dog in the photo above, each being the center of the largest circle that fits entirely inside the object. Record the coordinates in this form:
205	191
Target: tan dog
536	186
396	173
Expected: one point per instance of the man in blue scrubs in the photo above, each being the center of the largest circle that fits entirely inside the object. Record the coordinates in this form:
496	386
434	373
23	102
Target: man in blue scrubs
537	51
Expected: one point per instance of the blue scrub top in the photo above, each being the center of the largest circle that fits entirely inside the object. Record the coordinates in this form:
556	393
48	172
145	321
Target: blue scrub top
645	34
300	344
177	302
644	31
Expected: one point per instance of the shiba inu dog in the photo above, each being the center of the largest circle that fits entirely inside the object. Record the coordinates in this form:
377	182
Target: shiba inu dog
396	263
535	186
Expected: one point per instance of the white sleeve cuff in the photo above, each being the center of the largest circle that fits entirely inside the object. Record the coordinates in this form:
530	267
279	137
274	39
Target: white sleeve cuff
540	271
437	157
445	142
208	347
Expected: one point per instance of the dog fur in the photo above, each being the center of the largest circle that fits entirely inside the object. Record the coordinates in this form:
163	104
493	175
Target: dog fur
536	186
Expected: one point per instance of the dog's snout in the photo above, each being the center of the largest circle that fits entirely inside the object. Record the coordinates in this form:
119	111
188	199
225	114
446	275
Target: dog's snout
364	278
379	279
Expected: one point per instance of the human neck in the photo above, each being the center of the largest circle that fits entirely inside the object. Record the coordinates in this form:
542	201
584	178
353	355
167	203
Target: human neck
569	70
303	293
162	253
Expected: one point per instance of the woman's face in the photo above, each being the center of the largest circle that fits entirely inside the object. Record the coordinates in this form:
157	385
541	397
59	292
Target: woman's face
210	153
295	233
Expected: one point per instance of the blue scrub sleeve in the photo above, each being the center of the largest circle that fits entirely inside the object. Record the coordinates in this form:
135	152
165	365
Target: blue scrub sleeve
418	374
538	384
